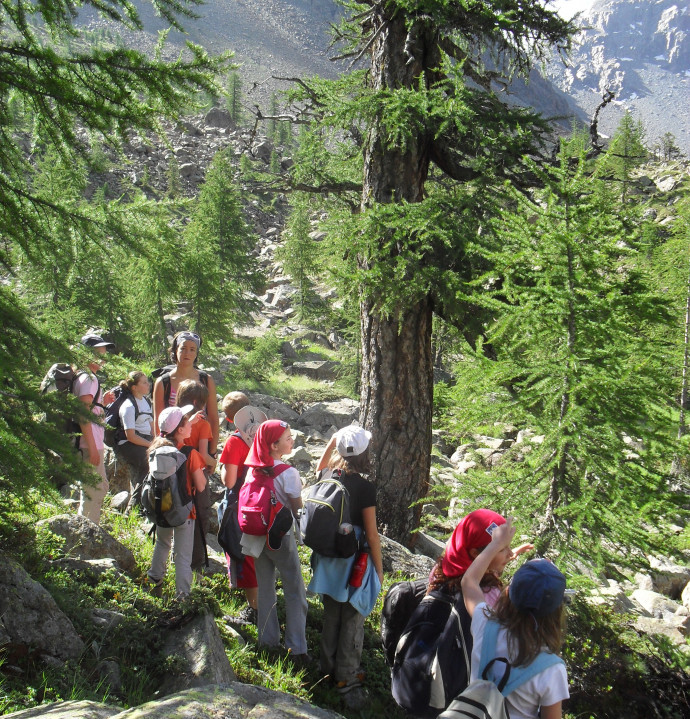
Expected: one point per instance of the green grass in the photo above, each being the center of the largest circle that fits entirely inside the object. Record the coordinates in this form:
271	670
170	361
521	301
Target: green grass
613	671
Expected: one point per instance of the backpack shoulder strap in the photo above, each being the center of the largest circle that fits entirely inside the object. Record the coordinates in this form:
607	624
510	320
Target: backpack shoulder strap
165	379
488	644
203	377
520	675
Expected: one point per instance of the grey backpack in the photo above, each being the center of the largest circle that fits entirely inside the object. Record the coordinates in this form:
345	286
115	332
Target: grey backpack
165	499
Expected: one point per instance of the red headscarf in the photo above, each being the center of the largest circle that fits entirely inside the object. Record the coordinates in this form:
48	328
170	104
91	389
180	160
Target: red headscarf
469	534
260	452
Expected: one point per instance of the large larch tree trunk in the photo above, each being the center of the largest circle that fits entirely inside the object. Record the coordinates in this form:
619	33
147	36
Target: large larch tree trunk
397	367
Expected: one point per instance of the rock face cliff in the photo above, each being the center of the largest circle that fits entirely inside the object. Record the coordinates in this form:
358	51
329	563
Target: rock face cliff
640	50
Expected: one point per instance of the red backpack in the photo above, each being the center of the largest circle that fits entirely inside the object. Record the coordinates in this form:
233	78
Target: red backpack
258	502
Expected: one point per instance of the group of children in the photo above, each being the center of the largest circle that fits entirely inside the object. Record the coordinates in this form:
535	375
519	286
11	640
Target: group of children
524	620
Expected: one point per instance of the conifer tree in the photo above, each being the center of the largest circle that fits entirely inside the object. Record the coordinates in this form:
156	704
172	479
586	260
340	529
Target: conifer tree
577	362
425	100
627	151
234	97
220	270
298	254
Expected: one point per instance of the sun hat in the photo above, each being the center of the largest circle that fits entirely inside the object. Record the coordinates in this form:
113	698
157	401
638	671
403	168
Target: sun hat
93	340
537	587
473	532
169	419
352	440
247	421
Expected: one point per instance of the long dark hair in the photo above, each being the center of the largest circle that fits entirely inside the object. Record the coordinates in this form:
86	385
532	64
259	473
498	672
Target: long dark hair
359	464
452	584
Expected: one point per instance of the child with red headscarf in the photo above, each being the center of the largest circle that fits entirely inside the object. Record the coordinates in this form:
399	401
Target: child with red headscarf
469	538
272	440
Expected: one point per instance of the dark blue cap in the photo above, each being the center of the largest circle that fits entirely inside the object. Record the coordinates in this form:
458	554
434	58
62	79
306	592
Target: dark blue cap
537	587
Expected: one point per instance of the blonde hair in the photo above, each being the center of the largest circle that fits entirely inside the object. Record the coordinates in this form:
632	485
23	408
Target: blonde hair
359	464
233	403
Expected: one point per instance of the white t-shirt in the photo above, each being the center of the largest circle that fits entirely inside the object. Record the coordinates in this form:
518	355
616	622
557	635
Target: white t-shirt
543	689
287	485
86	383
143	423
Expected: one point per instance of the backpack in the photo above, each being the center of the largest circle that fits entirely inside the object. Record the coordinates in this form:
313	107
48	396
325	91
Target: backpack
485	700
326	507
165	498
432	659
114	431
164	374
61	378
229	532
398	605
258	502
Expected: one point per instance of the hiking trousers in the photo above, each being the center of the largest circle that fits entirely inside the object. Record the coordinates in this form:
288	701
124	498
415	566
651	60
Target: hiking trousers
137	456
183	538
286	561
342	639
91	498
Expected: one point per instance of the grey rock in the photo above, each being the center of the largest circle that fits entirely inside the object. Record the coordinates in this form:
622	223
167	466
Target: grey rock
109	672
106	618
288	351
673	628
299	456
668	577
397	558
217	117
324	415
263	151
201	654
67	710
656	604
428	546
86	540
188	169
119	501
685	596
120	474
666	184
94	567
319	370
30	617
274	408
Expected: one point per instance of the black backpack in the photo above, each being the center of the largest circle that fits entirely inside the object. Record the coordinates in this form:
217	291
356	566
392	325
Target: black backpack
326	508
432	659
398	606
61	378
229	532
114	432
165	498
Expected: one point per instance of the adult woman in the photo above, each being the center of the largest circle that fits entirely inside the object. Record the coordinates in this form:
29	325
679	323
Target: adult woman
183	353
136	419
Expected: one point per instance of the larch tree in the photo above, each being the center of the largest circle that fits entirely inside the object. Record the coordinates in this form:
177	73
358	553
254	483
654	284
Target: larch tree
427	107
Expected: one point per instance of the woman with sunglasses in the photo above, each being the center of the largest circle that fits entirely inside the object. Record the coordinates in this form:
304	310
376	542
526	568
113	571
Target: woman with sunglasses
183	353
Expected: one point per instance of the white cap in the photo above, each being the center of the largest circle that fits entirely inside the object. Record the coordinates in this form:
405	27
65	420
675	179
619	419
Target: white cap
352	440
169	419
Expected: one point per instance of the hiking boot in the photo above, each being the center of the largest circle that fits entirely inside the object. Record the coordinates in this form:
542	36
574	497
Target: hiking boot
302	660
243	618
356	699
153	586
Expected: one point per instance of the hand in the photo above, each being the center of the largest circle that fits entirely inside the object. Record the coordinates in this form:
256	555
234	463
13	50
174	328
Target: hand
503	534
527	547
109	397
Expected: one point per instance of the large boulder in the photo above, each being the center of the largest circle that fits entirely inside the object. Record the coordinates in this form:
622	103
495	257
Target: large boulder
200	654
274	408
86	540
237	700
30	618
397	558
120	474
668	577
320	370
324	415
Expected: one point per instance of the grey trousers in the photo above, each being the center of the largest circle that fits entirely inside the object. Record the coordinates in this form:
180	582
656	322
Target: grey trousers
183	536
342	639
286	561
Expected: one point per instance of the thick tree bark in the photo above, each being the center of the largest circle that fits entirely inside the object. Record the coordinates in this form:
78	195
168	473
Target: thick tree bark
397	367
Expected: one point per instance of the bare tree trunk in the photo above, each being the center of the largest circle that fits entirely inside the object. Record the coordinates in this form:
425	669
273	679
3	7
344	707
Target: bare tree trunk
397	368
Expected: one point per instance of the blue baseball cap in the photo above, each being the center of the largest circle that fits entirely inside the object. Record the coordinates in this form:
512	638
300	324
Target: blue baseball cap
537	587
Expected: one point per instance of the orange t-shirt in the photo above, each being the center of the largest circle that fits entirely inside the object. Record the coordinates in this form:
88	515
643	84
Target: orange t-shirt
201	429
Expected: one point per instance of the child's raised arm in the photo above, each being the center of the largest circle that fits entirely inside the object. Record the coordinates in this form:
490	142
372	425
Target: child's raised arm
471	590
